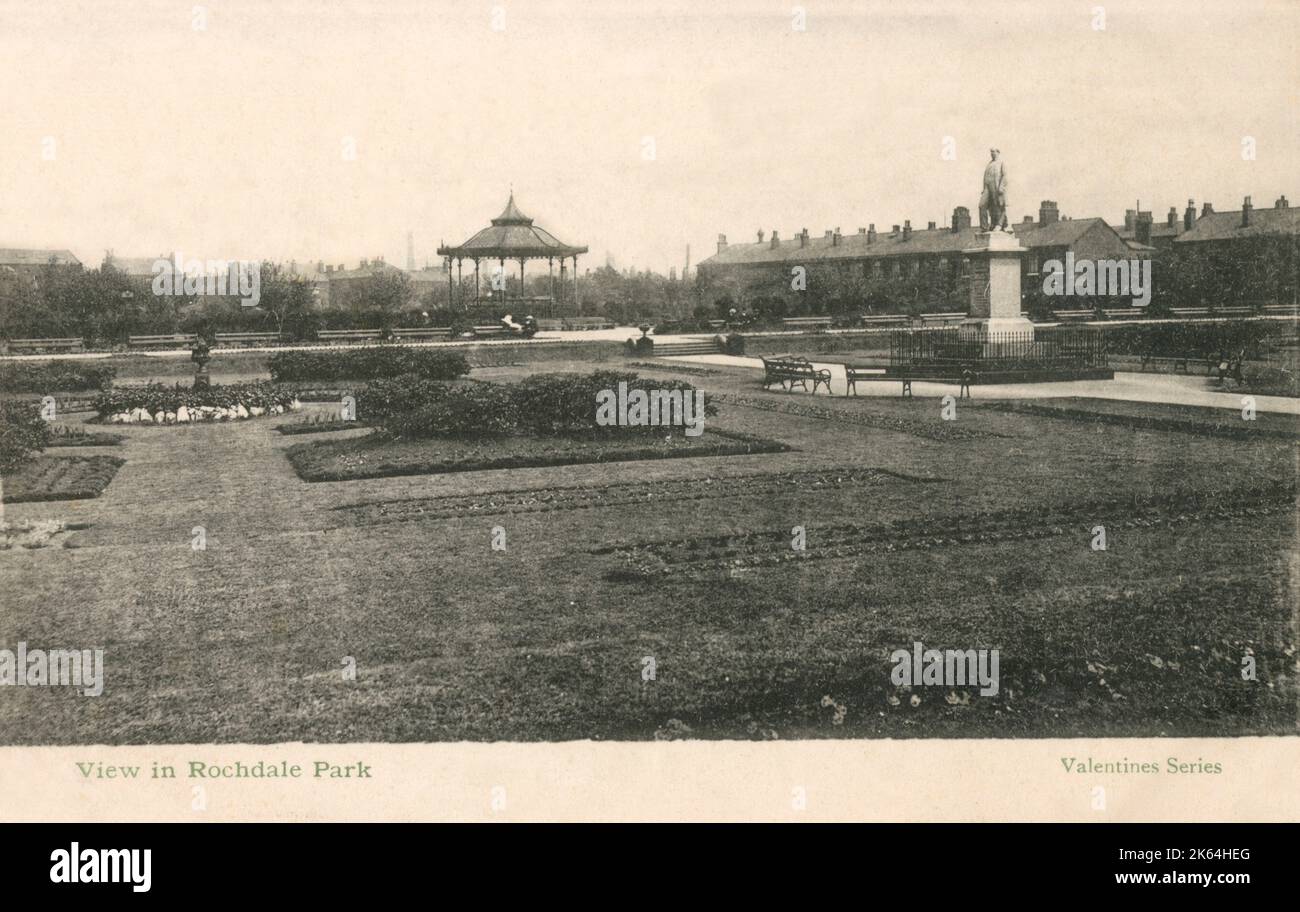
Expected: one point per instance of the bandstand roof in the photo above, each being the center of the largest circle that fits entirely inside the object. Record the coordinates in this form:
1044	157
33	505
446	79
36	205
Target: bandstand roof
512	235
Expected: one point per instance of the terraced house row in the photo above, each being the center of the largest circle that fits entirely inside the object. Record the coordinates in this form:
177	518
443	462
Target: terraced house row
926	266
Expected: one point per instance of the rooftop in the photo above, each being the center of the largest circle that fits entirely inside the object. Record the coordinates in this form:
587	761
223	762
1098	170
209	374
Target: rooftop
924	241
512	235
15	256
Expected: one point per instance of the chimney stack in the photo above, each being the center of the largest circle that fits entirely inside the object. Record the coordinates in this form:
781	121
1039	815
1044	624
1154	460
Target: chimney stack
722	243
1189	215
803	238
828	235
960	219
1246	207
1207	209
1130	219
1281	203
836	238
1047	212
862	231
907	229
929	226
871	233
776	239
1142	227
1172	219
760	235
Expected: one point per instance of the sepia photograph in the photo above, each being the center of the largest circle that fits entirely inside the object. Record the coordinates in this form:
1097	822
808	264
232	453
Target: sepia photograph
588	387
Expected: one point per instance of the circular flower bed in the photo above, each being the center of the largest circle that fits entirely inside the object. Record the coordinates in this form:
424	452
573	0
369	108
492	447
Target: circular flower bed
157	404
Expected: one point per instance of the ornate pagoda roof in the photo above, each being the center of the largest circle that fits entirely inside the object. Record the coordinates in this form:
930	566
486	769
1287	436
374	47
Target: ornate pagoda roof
510	236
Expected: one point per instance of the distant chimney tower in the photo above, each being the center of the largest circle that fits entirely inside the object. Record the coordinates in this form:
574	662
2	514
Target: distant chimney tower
960	219
907	229
776	239
686	270
871	233
1281	203
760	235
1246	208
1048	213
1189	215
722	243
803	238
1172	219
1207	208
410	251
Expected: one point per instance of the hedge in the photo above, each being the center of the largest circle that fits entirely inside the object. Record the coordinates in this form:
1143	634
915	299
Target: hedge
540	405
53	377
23	434
375	362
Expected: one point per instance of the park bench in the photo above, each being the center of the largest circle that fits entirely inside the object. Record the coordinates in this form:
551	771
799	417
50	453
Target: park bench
349	335
1179	362
1067	316
178	339
933	373
807	322
432	332
46	345
942	319
717	325
1124	313
886	320
1280	310
1186	312
789	370
241	339
488	332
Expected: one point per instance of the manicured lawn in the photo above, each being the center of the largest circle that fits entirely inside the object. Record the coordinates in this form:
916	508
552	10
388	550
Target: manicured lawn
61	478
914	533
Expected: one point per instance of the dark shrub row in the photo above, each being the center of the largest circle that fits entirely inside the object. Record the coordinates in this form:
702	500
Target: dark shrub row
370	363
23	434
54	377
542	405
156	396
1178	339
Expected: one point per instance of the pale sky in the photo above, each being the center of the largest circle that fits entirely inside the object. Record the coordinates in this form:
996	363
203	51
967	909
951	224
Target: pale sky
228	141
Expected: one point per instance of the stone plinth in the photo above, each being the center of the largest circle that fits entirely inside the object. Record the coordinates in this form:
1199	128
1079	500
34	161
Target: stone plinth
995	287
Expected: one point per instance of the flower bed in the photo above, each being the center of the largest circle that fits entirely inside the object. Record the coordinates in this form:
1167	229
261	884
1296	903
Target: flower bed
64	436
158	404
380	455
61	478
375	362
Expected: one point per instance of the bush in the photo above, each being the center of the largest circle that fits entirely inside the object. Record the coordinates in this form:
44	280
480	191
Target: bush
23	434
370	363
155	397
542	405
53	377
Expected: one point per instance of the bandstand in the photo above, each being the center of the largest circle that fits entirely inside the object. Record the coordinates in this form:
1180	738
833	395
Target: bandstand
512	237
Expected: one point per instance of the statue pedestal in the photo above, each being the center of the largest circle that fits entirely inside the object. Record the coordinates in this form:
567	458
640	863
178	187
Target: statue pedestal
995	288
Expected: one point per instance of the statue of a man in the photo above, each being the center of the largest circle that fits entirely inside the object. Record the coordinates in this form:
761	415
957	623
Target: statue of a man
993	195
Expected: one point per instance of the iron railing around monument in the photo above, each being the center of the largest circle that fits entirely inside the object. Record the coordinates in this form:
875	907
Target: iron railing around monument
1047	347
